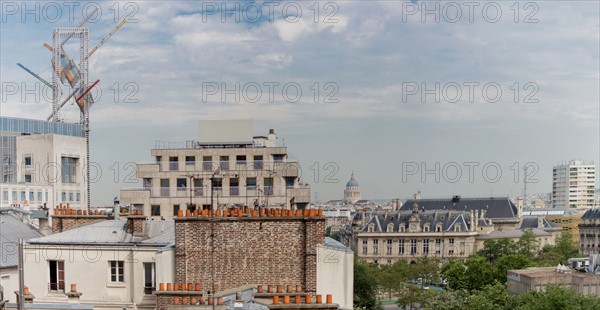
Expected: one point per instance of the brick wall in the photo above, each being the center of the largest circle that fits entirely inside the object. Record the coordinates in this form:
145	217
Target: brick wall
248	250
62	223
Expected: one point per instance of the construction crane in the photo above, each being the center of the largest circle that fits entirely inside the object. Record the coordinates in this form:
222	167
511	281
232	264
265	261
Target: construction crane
67	72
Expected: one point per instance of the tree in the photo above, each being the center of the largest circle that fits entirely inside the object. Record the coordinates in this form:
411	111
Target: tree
493	249
556	296
365	286
473	274
527	243
427	269
392	276
411	295
510	262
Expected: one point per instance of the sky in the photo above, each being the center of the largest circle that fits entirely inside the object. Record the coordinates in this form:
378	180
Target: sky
446	98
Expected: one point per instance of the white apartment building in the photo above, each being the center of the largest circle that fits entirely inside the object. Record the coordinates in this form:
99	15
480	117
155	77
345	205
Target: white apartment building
573	185
42	162
225	167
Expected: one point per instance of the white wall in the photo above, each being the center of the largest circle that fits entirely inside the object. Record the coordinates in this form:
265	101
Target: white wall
335	275
88	267
9	279
47	151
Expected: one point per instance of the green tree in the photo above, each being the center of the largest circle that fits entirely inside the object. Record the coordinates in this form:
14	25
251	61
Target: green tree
556	297
493	249
427	269
472	274
527	243
392	276
365	286
414	296
510	262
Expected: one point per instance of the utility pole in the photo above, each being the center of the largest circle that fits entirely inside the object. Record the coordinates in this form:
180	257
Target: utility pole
21	277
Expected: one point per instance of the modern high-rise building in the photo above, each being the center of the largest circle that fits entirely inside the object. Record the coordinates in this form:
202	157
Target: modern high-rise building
225	167
573	185
42	162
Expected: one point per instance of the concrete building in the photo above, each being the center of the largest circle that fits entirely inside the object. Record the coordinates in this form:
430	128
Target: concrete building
42	162
352	193
568	219
589	232
573	185
114	264
524	280
441	229
204	174
12	228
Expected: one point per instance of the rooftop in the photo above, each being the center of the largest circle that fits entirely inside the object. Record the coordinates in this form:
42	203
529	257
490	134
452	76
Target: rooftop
11	230
494	207
113	232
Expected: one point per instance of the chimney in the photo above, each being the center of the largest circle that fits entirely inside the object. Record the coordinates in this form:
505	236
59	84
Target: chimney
73	295
271	138
540	222
519	207
136	222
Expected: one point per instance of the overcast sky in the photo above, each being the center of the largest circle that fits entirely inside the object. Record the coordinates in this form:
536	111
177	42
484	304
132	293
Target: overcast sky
378	110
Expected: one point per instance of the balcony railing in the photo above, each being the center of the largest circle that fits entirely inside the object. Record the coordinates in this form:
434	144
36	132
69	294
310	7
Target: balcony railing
60	286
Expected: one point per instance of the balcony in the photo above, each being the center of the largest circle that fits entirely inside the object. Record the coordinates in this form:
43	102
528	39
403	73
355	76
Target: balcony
301	194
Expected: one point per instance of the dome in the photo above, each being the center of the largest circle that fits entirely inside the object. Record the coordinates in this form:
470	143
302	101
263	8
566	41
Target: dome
352	182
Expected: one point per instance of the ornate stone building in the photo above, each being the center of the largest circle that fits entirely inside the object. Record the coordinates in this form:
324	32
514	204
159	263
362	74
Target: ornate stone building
352	192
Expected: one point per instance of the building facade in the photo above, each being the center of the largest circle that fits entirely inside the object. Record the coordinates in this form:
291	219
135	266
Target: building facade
215	175
589	232
443	229
574	185
523	280
42	162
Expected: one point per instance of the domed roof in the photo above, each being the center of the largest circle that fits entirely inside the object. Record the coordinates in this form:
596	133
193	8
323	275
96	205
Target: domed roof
352	182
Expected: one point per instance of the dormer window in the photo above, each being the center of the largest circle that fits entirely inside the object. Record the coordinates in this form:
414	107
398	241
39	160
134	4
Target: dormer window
370	228
390	227
426	228
438	227
401	228
457	227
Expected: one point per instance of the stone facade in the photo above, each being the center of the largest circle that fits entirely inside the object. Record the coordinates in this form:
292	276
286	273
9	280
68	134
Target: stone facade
248	250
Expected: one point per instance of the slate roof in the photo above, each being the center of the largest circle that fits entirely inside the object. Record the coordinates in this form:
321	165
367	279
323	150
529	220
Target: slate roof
532	222
495	208
113	232
400	219
11	229
513	233
591	214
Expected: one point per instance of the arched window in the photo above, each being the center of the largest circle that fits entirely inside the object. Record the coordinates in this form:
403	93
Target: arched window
438	227
426	227
457	227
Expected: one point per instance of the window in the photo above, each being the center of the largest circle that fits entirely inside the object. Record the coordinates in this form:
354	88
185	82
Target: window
240	160
175	210
190	160
149	278
426	246
164	187
70	196
234	188
155	210
14	195
57	275
389	247
23	195
364	250
258	162
390	227
5	195
268	182
438	227
173	163
78	196
413	246
147	183
117	273
207	163
251	186
426	228
39	196
224	163
198	186
68	169
365	242
457	227
451	241
28	178
31	196
289	182
181	187
217	185
28	160
278	158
